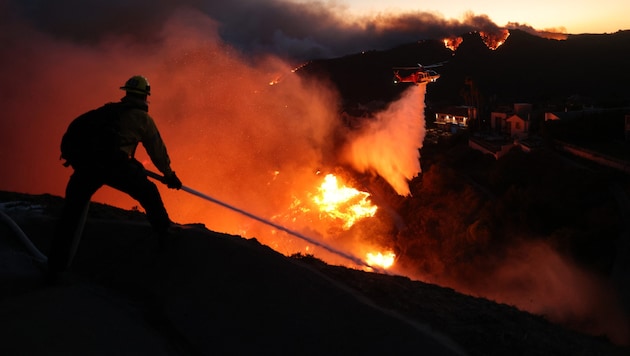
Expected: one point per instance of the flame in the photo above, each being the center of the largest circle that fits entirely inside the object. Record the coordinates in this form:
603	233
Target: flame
495	39
342	202
278	78
383	260
452	43
330	213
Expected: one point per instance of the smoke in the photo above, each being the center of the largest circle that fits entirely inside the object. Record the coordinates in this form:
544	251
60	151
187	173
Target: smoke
291	30
559	33
537	279
390	144
533	277
227	130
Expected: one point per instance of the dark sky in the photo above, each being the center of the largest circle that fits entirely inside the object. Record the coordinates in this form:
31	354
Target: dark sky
296	31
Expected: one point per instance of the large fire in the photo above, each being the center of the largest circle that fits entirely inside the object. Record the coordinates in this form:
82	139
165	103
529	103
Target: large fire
384	260
453	42
330	213
343	203
492	40
348	206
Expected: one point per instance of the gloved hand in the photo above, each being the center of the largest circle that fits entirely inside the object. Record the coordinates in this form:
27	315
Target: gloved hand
172	181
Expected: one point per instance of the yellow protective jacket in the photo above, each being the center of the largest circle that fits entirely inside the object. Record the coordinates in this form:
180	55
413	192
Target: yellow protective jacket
136	126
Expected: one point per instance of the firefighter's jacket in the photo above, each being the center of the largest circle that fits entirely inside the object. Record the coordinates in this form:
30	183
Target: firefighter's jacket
137	126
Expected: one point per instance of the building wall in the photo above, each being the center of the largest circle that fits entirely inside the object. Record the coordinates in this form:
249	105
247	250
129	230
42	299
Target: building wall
497	121
518	127
522	109
451	119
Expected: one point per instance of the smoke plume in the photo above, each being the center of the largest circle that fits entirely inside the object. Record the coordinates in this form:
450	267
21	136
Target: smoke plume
294	31
371	148
537	279
227	130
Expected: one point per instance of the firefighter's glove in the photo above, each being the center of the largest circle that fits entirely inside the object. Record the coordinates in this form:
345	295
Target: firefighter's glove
172	181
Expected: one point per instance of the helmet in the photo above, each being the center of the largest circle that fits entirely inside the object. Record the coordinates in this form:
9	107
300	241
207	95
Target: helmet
138	85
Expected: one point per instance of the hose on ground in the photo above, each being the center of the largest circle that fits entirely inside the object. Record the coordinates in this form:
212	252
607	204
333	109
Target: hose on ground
32	249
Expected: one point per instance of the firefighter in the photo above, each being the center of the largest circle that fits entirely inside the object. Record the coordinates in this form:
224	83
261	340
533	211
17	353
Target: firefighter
120	171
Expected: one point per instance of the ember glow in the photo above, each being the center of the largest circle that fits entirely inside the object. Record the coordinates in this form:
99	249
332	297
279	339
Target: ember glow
383	260
329	213
452	42
494	39
344	203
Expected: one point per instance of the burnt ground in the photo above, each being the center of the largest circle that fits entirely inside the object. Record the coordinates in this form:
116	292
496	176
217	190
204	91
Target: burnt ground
211	293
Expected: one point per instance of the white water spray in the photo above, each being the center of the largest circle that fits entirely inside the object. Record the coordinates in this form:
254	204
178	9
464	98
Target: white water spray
390	144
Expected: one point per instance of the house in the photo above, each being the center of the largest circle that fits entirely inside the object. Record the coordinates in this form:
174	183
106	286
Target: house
512	122
498	118
453	118
518	127
509	128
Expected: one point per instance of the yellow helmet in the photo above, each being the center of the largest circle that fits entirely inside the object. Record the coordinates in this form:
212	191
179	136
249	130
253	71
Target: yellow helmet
138	85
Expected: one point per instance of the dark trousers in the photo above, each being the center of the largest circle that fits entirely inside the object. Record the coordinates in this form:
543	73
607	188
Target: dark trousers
127	176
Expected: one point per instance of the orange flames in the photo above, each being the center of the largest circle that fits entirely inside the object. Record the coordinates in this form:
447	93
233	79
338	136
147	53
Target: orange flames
343	203
383	260
349	205
332	211
494	39
452	43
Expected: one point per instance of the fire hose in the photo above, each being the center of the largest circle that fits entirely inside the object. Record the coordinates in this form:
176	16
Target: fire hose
299	235
40	257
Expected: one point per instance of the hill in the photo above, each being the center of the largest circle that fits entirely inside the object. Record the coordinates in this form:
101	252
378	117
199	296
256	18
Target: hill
211	293
526	68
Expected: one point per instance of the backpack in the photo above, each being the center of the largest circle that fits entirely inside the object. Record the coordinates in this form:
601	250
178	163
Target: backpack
93	137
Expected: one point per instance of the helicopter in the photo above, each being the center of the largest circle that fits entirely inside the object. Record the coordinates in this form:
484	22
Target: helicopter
418	75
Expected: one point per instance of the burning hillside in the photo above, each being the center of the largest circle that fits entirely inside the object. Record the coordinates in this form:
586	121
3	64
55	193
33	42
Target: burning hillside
223	123
260	147
492	40
495	38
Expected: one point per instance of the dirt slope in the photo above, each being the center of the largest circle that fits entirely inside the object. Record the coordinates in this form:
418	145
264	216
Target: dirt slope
210	293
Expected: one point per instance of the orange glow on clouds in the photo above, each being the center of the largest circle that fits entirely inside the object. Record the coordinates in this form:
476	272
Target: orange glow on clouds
589	17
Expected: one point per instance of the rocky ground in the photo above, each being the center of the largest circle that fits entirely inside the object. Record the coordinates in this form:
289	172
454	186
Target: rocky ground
210	293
